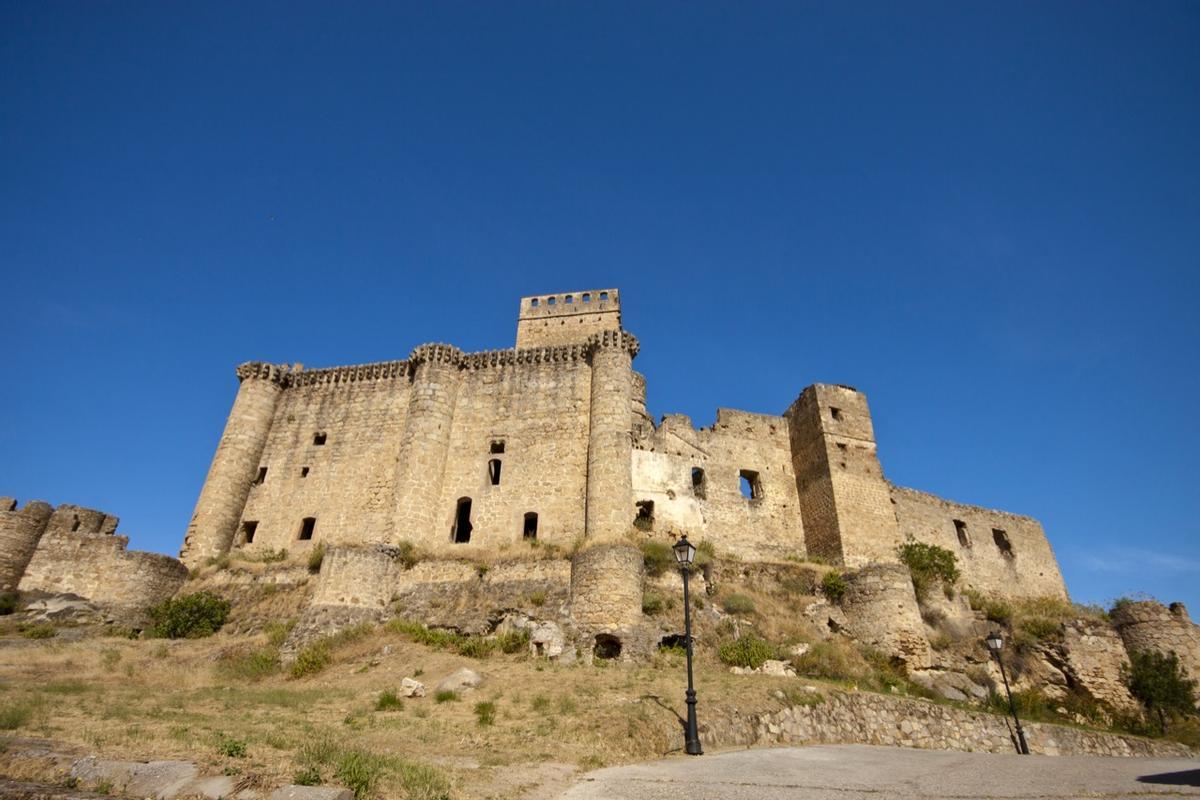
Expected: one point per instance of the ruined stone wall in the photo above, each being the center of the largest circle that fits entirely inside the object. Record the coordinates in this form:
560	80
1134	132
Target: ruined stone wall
606	588
357	576
1149	625
20	531
1094	656
553	320
1025	568
881	610
97	567
766	527
346	483
845	501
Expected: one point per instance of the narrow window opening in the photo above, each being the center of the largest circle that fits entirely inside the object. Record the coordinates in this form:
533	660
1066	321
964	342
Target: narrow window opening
960	528
698	488
74	523
1002	542
529	529
607	646
304	472
644	520
494	472
836	413
841	446
307	526
461	532
751	484
249	528
497	446
534	303
319	438
587	298
261	477
604	297
570	300
552	301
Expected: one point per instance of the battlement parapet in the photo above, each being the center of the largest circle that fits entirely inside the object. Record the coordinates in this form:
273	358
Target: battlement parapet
435	353
382	370
593	301
614	340
260	370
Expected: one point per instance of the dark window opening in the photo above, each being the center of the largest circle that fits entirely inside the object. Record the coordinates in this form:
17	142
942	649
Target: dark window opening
960	528
751	484
74	523
262	476
551	301
534	303
461	532
836	413
645	515
529	529
307	526
1002	541
604	297
841	446
494	471
497	446
570	300
539	649
607	646
319	438
248	530
698	488
304	472
587	298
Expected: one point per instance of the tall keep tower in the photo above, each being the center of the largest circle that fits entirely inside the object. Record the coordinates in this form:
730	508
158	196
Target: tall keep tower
549	320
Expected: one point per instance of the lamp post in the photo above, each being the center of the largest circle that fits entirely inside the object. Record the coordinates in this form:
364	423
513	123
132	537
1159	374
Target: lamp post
685	554
995	642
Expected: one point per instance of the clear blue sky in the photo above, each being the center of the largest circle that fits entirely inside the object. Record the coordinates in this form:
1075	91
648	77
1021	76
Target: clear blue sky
986	216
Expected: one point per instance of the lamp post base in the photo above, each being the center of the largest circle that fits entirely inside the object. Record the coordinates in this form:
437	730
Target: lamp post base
691	733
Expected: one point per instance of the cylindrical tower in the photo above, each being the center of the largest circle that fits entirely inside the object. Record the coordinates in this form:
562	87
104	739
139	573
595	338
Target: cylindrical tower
610	442
424	445
235	464
20	532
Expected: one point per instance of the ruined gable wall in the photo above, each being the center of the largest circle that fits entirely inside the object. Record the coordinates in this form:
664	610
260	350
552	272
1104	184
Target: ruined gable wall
765	528
538	405
350	481
1031	570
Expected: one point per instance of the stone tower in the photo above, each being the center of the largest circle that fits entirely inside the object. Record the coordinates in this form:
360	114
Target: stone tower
20	532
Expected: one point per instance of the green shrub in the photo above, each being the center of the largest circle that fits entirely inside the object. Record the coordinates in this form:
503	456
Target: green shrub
485	713
705	554
833	586
513	641
230	747
653	603
407	555
1160	683
994	608
474	646
928	564
445	696
312	659
748	651
43	630
277	632
657	557
308	776
389	701
359	771
738	604
315	557
191	616
15	715
538	598
8	603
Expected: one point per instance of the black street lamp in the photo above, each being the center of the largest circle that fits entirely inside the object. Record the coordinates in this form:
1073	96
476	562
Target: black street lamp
995	642
685	554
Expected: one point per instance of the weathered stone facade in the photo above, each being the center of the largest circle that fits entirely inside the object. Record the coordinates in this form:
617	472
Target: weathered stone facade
1148	625
74	550
482	455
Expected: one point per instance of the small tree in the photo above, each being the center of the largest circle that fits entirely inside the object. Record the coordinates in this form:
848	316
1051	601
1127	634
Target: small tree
190	616
928	563
1160	683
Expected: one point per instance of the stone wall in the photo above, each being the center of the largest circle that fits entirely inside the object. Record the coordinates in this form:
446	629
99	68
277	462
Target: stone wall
709	505
864	718
561	319
1094	656
881	610
1149	625
97	567
998	553
20	531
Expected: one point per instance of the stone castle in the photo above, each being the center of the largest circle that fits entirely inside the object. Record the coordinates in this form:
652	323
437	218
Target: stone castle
495	465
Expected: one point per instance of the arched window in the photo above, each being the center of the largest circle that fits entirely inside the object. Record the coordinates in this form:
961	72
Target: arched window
494	471
698	488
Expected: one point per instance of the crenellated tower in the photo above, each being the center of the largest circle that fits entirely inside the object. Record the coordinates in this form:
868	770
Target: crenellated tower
434	371
214	522
549	320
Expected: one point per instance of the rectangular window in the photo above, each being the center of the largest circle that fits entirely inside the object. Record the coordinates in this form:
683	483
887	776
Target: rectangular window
529	529
494	471
751	484
319	438
644	520
960	528
304	472
1002	541
307	526
249	528
497	446
698	487
261	477
836	413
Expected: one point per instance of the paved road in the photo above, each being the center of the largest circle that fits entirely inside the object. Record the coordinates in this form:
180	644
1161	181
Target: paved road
862	772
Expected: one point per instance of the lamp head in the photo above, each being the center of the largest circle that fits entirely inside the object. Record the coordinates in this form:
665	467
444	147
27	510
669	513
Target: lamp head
994	641
685	551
